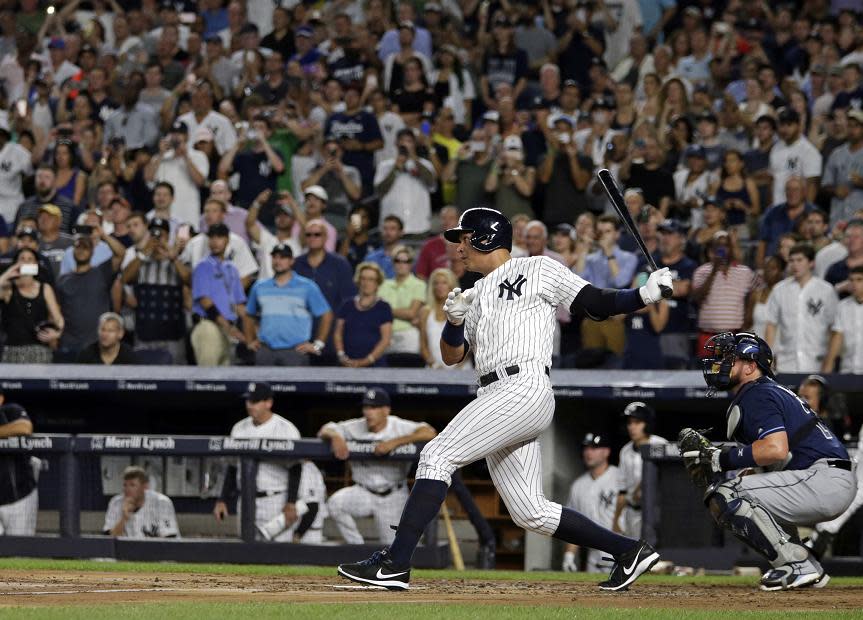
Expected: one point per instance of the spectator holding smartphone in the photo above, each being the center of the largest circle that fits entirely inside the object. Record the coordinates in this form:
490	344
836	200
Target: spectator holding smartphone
32	320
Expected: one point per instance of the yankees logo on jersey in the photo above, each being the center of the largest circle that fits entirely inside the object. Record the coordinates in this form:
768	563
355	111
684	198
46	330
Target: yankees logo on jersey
514	311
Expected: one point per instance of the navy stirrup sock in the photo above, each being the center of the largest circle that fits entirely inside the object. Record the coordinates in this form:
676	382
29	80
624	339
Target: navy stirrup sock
577	529
423	504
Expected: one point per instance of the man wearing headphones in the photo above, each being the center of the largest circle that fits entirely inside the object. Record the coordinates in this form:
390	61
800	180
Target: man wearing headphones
640	419
815	390
805	473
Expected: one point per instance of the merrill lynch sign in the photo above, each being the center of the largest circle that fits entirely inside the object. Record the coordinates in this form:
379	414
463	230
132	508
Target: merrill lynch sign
219	444
131	442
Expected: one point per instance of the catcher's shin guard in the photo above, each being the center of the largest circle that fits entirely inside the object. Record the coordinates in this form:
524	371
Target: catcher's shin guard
752	524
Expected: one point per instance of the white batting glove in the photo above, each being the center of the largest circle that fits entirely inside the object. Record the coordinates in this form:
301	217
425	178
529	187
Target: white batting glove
658	280
569	562
457	304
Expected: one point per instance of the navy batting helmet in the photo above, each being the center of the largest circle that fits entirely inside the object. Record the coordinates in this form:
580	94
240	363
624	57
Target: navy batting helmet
641	411
491	230
728	347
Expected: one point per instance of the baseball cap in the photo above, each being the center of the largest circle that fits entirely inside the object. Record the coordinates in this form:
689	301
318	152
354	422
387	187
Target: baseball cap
788	115
708	115
219	230
87	49
407	24
51	209
57	43
258	391
564	118
249	28
317	191
304	31
693	10
283	249
432	6
602	103
639	411
492	116
202	134
376	397
836	70
855	115
570	83
512	143
180	127
213	38
564	229
27	231
672	226
595	440
158	223
695	150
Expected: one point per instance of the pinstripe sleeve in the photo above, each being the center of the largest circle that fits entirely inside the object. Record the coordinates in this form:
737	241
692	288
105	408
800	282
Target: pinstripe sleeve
559	284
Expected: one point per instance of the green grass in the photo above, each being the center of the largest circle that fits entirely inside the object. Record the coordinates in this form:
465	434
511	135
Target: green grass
329	571
387	611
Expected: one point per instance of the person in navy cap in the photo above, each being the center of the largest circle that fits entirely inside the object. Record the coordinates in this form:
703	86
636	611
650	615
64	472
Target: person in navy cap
379	488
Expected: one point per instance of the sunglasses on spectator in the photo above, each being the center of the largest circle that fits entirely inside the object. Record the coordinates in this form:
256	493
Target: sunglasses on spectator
314	234
402	260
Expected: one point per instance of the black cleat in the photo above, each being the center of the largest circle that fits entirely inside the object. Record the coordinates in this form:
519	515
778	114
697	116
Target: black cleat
485	555
378	570
629	567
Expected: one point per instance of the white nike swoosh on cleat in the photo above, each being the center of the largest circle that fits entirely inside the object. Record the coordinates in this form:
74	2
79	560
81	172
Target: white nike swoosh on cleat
632	566
381	575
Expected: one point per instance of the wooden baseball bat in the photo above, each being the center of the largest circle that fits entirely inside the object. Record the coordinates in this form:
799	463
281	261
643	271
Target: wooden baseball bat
455	550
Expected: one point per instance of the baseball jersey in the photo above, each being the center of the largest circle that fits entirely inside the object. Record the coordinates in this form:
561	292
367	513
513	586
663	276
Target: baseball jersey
512	316
764	407
596	499
798	159
804	315
378	476
154	519
272	475
630	465
849	323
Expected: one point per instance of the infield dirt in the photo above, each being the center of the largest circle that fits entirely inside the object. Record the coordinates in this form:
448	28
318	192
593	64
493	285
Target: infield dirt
51	587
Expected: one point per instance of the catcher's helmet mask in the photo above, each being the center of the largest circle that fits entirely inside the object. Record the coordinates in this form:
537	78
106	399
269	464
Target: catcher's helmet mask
727	348
490	230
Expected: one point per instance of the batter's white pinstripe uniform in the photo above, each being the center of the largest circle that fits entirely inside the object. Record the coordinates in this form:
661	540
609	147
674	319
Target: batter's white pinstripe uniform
154	519
510	322
381	487
630	465
596	498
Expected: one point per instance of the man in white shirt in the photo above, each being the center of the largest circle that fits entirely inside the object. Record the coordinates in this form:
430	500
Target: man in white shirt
185	168
202	113
803	308
57	66
405	185
277	484
846	338
265	241
594	494
237	252
15	162
622	19
793	155
380	488
139	512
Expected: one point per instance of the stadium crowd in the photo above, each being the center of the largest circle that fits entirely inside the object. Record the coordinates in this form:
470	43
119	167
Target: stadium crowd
264	183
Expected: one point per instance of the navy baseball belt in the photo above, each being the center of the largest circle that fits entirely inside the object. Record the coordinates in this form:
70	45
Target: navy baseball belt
491	377
260	494
840	464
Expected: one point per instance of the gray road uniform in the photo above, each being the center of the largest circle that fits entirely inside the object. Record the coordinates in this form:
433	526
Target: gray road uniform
596	498
630	465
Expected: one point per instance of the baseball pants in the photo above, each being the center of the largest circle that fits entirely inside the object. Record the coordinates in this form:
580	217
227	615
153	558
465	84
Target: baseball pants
350	503
631	522
267	508
800	496
19	518
836	524
502	425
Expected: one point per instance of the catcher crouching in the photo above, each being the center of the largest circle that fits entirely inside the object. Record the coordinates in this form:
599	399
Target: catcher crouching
805	472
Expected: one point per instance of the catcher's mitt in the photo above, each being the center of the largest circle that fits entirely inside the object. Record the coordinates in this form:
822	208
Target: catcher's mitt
696	450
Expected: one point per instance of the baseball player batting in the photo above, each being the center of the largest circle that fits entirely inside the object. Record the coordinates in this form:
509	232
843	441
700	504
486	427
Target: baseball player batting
508	320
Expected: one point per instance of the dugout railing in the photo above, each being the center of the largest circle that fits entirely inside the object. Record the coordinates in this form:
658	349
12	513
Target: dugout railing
62	487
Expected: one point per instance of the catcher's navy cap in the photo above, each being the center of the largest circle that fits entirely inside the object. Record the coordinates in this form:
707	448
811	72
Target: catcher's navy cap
376	397
258	391
595	440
